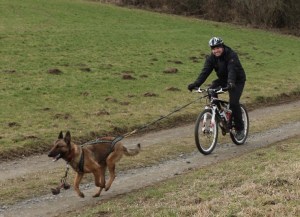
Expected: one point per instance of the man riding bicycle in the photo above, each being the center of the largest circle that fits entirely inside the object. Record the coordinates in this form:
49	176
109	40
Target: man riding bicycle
230	74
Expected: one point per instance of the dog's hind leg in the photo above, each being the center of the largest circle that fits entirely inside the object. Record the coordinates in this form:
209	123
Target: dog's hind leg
102	176
99	180
111	168
77	181
98	192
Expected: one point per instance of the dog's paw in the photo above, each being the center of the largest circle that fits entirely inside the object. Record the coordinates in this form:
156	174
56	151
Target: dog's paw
81	195
96	195
55	191
66	186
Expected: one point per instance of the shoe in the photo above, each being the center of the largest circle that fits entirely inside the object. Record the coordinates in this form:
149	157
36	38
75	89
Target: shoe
240	135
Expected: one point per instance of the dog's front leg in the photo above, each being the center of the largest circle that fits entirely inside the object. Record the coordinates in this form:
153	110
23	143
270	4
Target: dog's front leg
77	181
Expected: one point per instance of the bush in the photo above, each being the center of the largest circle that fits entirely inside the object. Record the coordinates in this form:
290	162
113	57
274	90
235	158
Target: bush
259	13
268	13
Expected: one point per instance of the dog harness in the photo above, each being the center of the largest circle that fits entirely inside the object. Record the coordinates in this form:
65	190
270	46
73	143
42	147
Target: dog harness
97	141
81	161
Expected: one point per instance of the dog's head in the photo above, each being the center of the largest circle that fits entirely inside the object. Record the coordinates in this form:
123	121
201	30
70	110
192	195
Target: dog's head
61	147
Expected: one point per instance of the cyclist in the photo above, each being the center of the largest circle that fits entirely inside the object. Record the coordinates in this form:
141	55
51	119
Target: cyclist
230	74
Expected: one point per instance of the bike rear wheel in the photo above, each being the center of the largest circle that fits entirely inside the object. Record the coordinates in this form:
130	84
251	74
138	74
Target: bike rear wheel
245	118
206	132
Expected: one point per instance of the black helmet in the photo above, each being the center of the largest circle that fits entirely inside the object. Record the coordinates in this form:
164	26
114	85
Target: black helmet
215	42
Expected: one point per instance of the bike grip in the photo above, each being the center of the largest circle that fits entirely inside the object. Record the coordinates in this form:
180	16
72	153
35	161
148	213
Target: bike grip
225	88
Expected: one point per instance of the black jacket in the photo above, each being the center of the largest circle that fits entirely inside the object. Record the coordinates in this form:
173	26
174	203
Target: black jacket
227	66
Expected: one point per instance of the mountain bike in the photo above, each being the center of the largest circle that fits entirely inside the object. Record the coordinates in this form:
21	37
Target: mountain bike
217	115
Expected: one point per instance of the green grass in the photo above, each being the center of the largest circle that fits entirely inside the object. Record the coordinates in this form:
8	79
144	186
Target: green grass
93	45
264	182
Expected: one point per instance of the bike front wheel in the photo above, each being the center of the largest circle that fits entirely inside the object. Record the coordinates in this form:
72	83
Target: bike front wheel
206	132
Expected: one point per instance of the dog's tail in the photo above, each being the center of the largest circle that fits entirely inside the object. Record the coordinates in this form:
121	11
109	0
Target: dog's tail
132	151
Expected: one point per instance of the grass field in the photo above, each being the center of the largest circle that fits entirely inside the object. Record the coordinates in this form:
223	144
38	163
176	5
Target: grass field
96	69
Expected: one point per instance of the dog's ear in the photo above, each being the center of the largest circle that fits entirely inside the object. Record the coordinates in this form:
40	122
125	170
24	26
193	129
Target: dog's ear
68	138
60	136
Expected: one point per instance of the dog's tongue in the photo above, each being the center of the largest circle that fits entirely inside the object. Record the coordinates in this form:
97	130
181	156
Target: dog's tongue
56	158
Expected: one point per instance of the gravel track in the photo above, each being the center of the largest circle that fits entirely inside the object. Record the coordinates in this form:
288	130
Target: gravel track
49	205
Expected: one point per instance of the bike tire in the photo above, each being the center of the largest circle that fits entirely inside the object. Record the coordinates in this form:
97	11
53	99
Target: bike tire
206	132
246	127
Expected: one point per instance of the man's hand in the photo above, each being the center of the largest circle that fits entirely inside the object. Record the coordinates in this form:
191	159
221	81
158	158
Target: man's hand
192	86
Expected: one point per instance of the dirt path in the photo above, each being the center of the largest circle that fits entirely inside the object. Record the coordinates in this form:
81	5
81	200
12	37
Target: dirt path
49	205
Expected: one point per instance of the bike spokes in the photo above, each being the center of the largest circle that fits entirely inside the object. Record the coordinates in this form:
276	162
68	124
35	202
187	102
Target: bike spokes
206	132
233	133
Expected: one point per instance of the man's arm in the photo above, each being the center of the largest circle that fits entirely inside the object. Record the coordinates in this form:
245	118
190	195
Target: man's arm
207	69
232	68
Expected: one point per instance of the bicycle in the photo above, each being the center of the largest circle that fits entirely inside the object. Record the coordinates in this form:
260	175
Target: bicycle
217	114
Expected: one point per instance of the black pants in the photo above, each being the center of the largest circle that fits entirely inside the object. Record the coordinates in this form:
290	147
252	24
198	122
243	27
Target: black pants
234	102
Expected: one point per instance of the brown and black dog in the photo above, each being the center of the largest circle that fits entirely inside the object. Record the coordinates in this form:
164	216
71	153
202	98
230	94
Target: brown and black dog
93	158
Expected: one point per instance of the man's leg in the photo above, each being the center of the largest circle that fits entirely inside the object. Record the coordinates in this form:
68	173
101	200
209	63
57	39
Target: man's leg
234	100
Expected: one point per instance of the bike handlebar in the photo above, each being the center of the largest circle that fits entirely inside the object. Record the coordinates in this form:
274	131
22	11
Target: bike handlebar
211	90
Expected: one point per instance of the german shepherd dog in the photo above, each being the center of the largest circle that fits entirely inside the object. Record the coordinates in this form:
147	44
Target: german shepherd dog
92	158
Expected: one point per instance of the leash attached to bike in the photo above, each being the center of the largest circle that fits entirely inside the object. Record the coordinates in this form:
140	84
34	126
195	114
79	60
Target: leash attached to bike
161	118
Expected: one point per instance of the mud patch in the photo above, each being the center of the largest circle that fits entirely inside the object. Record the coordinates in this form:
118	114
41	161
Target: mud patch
278	182
149	94
10	71
65	116
128	77
194	59
85	93
170	71
172	89
175	61
124	103
54	71
30	137
13	124
85	69
269	202
110	99
101	113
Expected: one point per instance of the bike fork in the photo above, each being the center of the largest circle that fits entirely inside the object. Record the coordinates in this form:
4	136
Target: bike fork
209	129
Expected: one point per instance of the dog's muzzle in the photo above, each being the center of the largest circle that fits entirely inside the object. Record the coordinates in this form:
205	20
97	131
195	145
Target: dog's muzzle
55	158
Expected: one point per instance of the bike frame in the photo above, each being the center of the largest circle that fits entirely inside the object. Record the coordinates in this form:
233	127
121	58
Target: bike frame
215	107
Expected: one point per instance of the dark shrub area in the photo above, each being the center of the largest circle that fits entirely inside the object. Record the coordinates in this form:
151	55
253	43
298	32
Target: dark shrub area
279	14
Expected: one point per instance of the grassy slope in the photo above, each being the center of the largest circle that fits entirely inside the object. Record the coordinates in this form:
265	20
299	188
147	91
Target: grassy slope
74	36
